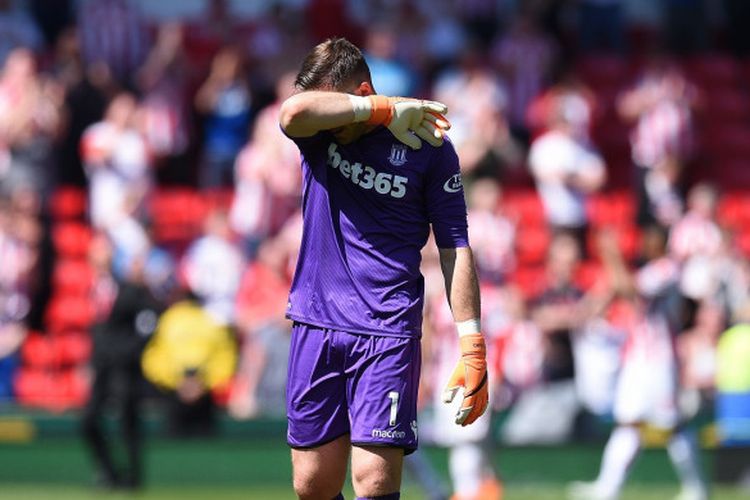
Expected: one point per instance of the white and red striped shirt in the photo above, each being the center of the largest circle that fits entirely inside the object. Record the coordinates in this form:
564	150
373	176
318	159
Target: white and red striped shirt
664	130
493	241
526	56
113	31
693	235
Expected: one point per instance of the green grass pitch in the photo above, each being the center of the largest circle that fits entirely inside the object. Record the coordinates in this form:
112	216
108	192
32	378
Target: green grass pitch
225	469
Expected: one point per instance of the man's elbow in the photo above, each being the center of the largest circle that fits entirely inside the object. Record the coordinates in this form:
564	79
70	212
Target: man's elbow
290	114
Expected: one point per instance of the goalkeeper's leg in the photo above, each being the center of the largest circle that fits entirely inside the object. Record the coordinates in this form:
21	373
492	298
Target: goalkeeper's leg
319	473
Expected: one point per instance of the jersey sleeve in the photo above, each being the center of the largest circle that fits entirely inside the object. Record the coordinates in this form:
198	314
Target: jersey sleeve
305	142
444	195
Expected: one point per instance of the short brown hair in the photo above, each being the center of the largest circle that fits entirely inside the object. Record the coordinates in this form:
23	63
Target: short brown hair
333	64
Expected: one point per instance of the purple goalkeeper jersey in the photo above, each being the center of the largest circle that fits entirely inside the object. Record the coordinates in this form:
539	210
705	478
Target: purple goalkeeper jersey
367	209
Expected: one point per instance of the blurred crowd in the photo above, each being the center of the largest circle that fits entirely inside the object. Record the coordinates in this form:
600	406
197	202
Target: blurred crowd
584	202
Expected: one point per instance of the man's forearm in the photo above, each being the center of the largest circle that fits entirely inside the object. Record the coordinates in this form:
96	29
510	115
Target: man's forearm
461	283
307	113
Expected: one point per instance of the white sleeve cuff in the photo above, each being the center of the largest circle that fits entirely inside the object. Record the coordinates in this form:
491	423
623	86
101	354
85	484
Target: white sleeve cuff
468	327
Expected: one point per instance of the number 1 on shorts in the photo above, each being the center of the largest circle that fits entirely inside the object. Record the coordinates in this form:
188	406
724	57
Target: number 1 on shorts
393	396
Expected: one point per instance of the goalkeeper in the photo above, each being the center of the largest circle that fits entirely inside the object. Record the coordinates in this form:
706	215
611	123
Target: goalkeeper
377	173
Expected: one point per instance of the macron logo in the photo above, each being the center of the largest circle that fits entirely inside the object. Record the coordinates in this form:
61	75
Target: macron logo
453	185
380	433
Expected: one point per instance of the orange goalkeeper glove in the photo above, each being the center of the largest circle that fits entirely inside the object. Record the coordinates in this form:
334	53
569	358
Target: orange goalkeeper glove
409	120
471	375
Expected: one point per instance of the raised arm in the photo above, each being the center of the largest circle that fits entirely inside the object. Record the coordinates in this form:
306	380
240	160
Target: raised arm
307	113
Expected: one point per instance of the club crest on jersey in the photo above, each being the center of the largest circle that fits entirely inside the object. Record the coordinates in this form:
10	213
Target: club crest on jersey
398	155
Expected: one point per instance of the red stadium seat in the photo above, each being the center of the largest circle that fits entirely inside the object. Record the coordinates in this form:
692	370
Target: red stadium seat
73	348
728	106
178	214
712	70
72	277
734	210
531	244
32	385
525	207
38	351
729	173
66	312
616	208
588	274
727	140
604	70
53	390
68	203
71	239
74	388
530	280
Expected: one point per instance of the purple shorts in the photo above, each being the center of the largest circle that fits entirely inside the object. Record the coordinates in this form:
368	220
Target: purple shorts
344	383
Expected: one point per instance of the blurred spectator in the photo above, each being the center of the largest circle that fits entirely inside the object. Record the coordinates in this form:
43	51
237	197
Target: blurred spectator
88	90
163	80
118	343
567	170
261	305
268	177
103	283
17	30
544	367
572	94
29	124
121	50
523	351
224	101
648	384
117	163
479	129
662	140
733	275
472	472
695	241
697	232
492	236
389	75
598	341
217	22
553	310
443	37
696	348
601	25
524	56
213	266
19	238
189	355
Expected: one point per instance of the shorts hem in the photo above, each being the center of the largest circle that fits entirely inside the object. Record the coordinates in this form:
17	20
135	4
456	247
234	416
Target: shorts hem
316	444
408	450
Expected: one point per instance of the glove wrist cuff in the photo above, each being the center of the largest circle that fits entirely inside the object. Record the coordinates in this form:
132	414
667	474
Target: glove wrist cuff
381	110
473	345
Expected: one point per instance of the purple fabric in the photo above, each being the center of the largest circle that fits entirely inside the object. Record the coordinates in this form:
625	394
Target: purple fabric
368	206
363	385
338	497
390	496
